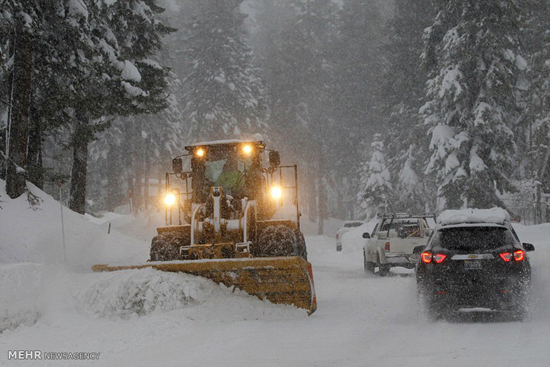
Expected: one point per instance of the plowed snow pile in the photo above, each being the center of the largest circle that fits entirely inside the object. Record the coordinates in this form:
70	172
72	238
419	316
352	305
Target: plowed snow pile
139	292
20	283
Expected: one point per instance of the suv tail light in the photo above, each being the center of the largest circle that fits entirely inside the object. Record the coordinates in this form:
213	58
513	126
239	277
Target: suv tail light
387	246
427	257
506	256
337	236
517	255
438	258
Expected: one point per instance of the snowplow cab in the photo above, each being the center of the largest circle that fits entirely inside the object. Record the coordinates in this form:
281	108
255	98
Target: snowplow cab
232	216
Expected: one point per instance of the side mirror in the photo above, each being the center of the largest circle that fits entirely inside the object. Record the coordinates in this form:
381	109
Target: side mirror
528	247
366	235
418	250
274	158
177	165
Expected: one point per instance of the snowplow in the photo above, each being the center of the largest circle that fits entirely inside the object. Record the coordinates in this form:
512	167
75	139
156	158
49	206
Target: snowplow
236	221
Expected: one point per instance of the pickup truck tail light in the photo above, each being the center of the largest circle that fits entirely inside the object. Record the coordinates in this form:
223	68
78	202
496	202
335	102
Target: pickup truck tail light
387	246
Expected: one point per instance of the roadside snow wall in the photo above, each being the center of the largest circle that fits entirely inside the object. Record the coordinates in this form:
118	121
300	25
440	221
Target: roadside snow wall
19	286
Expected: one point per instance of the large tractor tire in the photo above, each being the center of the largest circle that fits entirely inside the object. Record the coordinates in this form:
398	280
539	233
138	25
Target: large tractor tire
166	246
302	249
278	241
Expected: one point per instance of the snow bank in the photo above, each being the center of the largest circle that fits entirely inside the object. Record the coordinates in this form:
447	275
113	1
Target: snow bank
35	233
494	215
141	292
128	293
19	286
330	226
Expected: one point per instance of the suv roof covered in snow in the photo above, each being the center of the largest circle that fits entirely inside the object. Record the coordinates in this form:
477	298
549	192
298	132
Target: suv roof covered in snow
494	216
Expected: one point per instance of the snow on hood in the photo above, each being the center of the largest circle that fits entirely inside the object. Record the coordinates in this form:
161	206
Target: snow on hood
494	215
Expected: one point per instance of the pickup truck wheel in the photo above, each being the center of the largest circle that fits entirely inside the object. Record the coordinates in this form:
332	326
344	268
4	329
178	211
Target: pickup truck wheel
383	269
368	265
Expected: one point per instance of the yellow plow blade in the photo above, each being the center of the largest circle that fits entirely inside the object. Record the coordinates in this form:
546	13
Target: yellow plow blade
282	280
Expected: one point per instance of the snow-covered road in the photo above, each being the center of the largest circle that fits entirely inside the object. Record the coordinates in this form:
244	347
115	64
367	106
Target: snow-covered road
362	320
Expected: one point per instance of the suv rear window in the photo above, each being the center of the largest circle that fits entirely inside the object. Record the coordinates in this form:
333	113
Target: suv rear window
472	239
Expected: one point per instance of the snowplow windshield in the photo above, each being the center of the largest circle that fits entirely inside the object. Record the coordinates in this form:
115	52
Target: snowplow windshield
215	167
227	169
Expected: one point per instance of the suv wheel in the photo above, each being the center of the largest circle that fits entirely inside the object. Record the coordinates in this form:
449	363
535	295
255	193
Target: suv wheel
427	304
519	310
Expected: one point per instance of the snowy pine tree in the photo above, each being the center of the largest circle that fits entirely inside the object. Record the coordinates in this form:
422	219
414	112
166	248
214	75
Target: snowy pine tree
88	60
474	57
360	64
19	22
295	41
537	118
376	194
224	95
403	91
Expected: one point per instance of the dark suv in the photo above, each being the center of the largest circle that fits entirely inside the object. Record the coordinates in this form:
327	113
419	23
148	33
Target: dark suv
477	263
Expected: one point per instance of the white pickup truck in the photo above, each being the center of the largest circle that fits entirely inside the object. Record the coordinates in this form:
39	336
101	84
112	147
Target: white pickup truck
393	239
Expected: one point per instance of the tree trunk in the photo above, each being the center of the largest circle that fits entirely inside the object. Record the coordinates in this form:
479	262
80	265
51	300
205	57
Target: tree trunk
35	168
322	205
147	163
19	129
130	184
311	197
113	179
541	173
80	160
538	206
138	165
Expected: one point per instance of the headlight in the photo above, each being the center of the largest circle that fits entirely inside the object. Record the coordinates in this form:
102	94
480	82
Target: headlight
200	152
170	199
247	149
276	192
